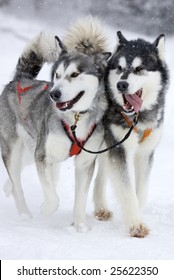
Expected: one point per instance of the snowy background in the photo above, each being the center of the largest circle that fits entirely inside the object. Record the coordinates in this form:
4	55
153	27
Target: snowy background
53	238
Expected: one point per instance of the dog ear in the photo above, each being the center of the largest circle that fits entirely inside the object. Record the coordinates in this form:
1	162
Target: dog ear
105	55
61	45
120	38
100	61
102	57
159	44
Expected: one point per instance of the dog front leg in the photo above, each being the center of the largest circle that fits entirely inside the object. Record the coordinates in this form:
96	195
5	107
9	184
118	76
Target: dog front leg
143	165
12	157
99	196
122	178
83	177
46	172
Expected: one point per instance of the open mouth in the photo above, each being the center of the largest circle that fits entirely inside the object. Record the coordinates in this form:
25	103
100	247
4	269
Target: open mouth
63	106
132	102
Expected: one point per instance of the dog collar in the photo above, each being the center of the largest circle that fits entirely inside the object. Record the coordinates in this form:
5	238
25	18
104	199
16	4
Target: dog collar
75	149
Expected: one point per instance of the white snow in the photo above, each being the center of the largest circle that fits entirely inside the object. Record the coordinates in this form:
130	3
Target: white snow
53	237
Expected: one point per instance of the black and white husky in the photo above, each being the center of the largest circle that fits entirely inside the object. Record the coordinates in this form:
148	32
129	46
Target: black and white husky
38	115
136	83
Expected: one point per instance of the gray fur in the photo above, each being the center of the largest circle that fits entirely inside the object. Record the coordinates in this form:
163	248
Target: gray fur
31	119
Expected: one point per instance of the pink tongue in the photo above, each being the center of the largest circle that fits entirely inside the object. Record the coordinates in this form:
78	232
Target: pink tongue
134	101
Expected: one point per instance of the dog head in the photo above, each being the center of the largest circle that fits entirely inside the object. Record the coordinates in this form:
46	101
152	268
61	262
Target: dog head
77	79
136	73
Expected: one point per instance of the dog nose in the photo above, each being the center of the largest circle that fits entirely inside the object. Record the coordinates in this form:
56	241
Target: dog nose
55	95
122	86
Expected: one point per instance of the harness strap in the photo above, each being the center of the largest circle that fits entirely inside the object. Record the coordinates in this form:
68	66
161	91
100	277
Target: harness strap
117	144
146	132
20	90
75	148
128	121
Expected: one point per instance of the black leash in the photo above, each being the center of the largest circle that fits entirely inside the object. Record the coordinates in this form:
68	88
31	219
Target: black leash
117	144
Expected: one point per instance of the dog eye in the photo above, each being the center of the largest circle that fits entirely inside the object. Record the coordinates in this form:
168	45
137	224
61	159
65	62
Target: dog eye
57	76
138	69
74	74
119	68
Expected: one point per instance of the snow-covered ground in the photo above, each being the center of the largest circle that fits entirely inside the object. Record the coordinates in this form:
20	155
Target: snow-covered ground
53	237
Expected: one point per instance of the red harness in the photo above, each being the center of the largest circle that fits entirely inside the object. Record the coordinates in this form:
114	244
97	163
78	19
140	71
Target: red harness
75	149
20	90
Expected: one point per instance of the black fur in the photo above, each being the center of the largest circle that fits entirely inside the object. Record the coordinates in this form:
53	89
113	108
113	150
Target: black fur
151	62
28	66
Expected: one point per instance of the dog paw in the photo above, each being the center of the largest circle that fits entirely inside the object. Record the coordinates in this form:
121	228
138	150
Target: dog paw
26	215
139	231
23	209
103	215
81	227
49	208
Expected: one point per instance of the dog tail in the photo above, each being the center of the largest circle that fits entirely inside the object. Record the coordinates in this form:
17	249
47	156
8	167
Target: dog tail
41	49
86	36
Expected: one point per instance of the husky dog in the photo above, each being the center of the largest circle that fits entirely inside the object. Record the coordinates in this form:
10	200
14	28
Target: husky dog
136	83
39	115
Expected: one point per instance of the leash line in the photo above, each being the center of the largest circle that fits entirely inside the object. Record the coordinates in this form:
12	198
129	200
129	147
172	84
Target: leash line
117	144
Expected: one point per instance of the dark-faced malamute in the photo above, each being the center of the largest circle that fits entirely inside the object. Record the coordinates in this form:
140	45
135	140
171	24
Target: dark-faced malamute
136	84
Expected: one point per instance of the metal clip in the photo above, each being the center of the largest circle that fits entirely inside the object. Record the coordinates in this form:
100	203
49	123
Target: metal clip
76	117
